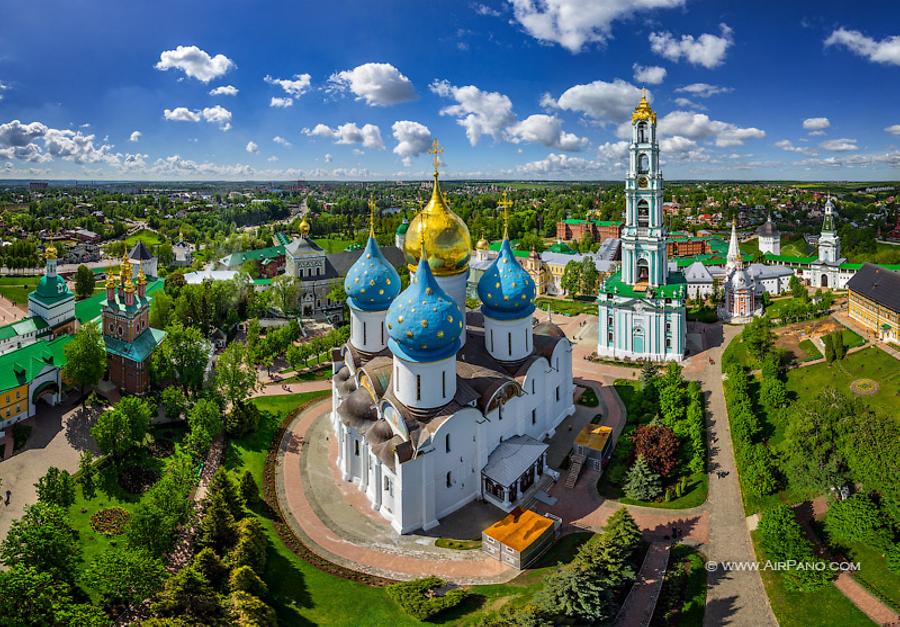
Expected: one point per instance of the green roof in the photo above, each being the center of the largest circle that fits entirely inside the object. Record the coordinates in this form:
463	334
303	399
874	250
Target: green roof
789	259
403	228
857	266
236	259
282	239
676	283
597	222
262	281
23	365
139	349
706	259
51	290
23	327
90	308
563	248
495	246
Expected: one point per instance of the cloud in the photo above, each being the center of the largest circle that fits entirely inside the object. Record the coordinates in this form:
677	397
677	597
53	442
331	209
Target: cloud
3	88
483	9
700	126
886	51
704	90
601	101
788	146
687	103
893	129
195	63
328	158
19	141
547	130
676	144
281	103
614	154
650	74
369	135
224	90
558	164
844	144
252	148
281	141
816	124
574	23
891	159
181	114
412	138
272	159
479	112
296	86
214	115
706	50
378	84
135	136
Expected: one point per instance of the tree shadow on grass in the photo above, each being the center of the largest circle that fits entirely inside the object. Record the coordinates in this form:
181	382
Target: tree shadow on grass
470	604
287	589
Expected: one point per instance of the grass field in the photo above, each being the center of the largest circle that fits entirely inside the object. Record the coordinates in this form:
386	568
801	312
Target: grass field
332	244
567	307
827	606
16	289
796	248
874	573
812	353
702	314
150	238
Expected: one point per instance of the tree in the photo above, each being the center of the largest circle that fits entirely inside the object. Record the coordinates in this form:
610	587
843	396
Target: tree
123	575
243	579
857	519
212	568
120	429
84	282
56	487
758	470
782	539
658	446
162	306
163	507
235	376
773	393
813	458
205	422
44	539
284	292
173	401
188	595
571	278
217	529
250	611
871	446
33	598
624	533
641	483
249	489
589	276
758	337
182	356
251	546
85	358
572	594
796	287
87	474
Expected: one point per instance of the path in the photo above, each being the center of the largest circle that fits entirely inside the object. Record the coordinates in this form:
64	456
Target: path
641	601
734	597
276	389
870	605
59	435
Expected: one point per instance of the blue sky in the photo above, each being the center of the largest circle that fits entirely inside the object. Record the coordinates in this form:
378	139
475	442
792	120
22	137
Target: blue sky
513	89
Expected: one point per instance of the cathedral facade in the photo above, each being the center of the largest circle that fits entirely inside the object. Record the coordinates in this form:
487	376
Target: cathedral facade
434	406
642	308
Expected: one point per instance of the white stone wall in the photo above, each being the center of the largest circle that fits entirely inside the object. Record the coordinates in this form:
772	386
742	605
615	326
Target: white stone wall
367	330
653	324
508	340
424	385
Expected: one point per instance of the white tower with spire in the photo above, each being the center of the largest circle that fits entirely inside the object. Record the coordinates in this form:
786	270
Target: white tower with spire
734	259
829	240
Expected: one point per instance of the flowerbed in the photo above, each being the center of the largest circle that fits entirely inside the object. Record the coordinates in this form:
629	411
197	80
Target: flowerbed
110	521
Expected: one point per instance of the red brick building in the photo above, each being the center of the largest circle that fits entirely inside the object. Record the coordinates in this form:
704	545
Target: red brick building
571	229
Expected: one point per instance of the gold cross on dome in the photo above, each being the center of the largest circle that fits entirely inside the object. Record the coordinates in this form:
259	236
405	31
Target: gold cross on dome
505	203
435	151
371	217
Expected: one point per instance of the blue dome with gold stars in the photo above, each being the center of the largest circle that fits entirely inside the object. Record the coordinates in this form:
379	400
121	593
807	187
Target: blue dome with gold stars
424	324
372	283
506	289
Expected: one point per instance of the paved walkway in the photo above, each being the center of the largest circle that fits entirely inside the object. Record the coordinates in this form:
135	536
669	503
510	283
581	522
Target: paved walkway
276	389
870	605
59	435
641	601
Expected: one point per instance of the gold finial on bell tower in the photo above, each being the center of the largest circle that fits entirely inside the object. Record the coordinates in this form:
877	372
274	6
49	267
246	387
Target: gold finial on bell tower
505	203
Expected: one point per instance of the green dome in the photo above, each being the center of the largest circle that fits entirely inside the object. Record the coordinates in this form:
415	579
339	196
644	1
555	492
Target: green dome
403	228
52	288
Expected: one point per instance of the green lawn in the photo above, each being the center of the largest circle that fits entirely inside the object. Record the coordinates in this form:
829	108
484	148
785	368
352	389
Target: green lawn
567	307
702	314
827	606
870	363
812	353
852	339
317	375
874	573
684	589
694	496
16	289
750	247
795	248
150	238
333	244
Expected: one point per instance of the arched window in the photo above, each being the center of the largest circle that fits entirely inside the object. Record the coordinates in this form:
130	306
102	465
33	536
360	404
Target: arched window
642	133
449	478
643	213
447	442
643	163
643	270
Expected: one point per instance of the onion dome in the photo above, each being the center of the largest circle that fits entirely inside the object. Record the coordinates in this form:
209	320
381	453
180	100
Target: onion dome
304	227
483	244
50	252
448	244
403	228
506	289
424	324
141	277
110	280
372	283
125	269
740	280
643	111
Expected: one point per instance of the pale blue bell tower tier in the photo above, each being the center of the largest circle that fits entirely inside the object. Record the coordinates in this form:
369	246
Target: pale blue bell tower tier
506	289
372	283
424	324
642	308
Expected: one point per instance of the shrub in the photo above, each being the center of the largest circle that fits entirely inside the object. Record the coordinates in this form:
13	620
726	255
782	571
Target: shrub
243	579
642	483
782	539
419	598
658	445
893	558
250	611
758	470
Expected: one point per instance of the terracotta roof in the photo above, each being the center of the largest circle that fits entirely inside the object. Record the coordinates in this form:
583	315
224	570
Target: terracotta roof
520	529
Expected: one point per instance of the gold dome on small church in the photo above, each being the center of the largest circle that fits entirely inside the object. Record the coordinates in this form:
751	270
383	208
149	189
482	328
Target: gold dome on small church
304	227
445	236
643	110
483	244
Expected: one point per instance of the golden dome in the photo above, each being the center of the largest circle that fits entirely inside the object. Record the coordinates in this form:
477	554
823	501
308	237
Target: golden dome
445	236
643	110
483	244
110	279
125	269
50	252
141	277
304	227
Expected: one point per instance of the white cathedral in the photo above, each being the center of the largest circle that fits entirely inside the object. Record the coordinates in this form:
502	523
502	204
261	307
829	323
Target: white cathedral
434	406
642	308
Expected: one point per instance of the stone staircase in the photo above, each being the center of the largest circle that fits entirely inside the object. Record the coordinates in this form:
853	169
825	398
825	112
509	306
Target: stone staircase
576	462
